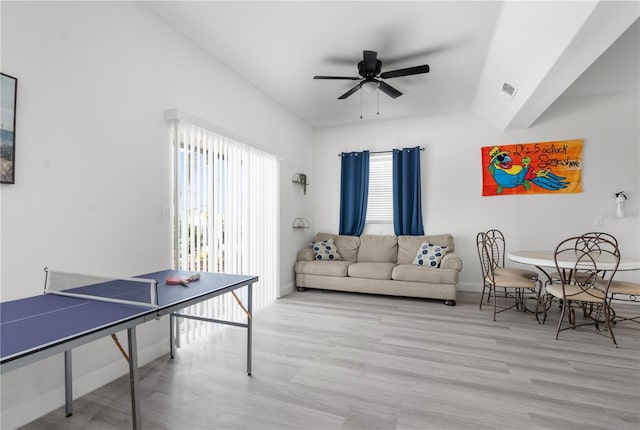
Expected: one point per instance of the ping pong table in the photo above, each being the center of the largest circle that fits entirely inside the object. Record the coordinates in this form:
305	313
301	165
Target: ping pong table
41	326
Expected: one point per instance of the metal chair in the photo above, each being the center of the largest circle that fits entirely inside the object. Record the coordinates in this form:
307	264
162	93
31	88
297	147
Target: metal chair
497	261
589	242
484	264
514	285
620	292
585	265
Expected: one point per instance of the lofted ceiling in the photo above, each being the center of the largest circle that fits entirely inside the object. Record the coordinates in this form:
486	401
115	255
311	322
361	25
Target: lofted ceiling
542	49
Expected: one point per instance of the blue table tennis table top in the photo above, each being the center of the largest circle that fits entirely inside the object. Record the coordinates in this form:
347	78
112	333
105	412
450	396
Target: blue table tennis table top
36	323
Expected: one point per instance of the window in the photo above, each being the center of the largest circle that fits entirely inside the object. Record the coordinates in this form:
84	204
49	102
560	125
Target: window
225	216
380	199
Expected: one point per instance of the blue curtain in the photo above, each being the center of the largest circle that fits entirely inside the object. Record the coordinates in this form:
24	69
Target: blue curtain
354	190
407	199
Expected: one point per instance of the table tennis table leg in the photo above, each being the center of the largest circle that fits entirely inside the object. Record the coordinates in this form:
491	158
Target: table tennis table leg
174	334
172	330
68	384
133	378
249	326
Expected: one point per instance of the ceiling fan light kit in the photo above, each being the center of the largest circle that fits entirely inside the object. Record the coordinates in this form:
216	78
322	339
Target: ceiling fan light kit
370	86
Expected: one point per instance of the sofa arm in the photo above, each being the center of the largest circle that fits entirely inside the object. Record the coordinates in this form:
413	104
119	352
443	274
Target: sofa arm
451	261
307	255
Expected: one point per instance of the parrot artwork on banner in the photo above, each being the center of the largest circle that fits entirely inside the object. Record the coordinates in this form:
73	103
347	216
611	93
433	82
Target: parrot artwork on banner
532	168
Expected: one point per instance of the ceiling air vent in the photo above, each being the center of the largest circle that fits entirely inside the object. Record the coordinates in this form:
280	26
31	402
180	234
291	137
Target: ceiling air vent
509	90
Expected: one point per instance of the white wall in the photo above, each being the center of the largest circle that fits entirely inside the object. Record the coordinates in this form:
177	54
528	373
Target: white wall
451	175
93	164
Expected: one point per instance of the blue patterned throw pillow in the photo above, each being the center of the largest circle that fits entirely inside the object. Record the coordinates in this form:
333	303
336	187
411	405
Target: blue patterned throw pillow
429	255
325	250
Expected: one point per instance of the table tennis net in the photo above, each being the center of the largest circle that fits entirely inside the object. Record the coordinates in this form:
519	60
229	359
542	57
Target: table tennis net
135	291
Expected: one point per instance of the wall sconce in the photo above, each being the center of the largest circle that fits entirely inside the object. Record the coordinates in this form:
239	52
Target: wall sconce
300	223
300	178
620	199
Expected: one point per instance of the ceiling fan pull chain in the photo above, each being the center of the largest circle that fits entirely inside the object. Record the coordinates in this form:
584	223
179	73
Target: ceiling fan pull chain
378	94
361	104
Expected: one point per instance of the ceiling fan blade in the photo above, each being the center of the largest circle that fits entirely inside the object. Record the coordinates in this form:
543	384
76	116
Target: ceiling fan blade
349	78
416	70
369	61
420	54
388	90
351	91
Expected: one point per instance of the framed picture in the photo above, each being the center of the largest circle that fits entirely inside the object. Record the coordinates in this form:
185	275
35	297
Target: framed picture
8	92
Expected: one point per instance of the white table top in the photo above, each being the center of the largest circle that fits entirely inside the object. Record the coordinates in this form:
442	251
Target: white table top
545	259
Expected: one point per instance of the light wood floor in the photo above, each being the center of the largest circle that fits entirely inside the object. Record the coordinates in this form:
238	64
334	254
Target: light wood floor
328	360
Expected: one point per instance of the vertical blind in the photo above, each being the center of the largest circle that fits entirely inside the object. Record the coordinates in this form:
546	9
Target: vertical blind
380	201
225	217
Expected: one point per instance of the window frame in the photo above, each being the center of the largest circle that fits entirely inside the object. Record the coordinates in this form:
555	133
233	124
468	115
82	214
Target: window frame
380	188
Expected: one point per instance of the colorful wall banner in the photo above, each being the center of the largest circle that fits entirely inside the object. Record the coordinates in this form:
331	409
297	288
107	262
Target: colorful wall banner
532	168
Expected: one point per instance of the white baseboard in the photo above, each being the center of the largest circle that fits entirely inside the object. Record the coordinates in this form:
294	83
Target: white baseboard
469	286
286	289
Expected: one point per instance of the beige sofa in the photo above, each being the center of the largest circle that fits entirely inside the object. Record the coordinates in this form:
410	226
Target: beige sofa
378	264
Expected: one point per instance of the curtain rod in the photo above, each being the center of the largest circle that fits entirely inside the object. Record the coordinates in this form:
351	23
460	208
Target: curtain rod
382	152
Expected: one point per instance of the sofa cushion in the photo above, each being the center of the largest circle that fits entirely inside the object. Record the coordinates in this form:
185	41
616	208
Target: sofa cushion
377	248
430	255
371	270
323	236
408	245
347	245
325	268
413	273
325	250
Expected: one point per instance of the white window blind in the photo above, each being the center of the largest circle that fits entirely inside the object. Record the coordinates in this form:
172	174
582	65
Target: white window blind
380	198
226	210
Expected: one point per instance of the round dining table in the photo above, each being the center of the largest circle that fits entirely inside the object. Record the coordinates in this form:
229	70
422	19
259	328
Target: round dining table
546	259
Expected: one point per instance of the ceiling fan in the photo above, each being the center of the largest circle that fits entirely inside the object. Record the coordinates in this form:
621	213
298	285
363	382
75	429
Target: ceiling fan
369	70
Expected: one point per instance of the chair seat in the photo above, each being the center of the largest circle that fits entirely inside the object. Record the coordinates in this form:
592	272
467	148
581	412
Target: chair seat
620	287
626	292
517	282
572	292
510	271
579	276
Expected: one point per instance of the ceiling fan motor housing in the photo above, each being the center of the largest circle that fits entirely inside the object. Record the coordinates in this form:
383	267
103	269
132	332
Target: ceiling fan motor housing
369	73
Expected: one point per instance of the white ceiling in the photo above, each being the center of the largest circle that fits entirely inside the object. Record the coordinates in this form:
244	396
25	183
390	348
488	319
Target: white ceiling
472	48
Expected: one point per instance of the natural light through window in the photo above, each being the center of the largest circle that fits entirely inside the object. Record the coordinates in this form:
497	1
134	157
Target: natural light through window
225	210
380	199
